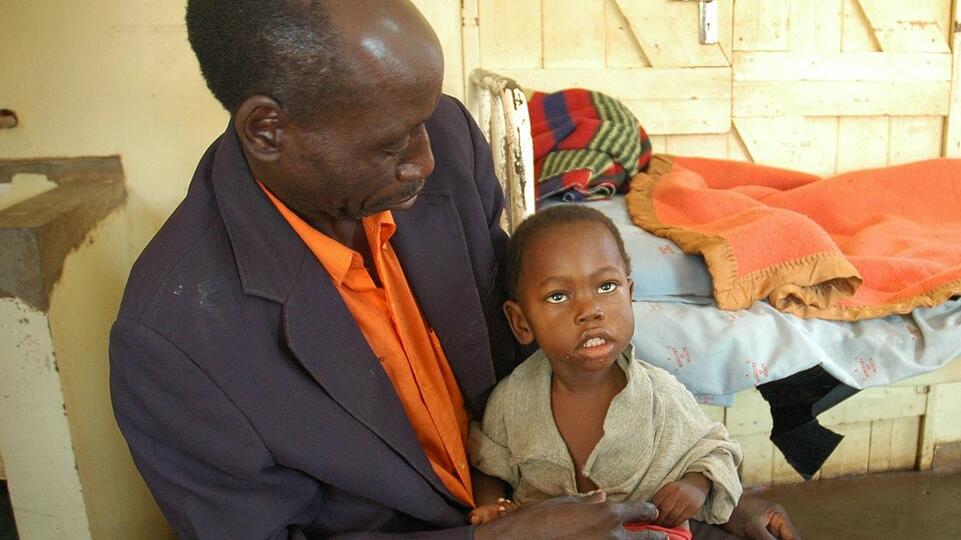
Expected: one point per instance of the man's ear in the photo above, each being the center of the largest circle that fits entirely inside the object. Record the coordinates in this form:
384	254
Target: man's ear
630	287
260	122
519	325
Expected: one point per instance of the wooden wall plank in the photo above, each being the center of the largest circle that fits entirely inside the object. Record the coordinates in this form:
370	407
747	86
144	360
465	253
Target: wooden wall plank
665	100
762	25
864	66
750	415
862	144
894	444
815	26
510	34
708	84
914	138
857	34
906	26
709	146
725	31
879	454
952	128
668	33
736	150
806	144
782	472
905	438
672	116
944	414
574	33
832	98
622	48
758	459
879	403
851	456
658	144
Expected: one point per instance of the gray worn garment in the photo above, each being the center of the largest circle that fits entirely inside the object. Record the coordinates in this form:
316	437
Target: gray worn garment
654	433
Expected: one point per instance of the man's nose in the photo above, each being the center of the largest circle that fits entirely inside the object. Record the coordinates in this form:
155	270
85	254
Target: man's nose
420	162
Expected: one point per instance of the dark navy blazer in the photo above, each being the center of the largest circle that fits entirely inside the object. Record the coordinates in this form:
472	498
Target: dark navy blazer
250	400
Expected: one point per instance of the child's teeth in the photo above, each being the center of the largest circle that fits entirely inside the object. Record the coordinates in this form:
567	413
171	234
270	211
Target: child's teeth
594	342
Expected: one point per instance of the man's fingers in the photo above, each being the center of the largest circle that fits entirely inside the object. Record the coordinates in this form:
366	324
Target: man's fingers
637	512
783	529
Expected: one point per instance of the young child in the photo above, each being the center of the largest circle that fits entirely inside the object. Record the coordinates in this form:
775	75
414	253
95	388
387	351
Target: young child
581	414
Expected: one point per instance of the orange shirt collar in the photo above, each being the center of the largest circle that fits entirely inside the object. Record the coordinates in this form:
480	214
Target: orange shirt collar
335	257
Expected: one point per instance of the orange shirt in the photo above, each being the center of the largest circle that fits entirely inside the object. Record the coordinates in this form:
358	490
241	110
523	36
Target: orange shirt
408	349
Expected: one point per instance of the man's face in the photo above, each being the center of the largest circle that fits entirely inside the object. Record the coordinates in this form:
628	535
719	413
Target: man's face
368	152
574	297
364	157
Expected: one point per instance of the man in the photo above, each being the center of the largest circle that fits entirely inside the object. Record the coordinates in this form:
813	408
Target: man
301	345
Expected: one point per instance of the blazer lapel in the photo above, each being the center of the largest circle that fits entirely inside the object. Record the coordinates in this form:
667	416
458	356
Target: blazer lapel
433	252
274	263
322	334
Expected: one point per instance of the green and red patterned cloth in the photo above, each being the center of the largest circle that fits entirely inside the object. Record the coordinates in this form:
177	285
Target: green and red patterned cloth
587	145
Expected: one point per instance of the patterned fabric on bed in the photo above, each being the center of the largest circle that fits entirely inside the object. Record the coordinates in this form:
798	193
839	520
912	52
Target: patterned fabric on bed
586	144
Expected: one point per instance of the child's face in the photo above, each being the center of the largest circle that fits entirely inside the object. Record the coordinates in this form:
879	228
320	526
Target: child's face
574	297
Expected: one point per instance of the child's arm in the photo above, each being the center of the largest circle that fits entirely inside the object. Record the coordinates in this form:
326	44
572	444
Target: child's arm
709	485
681	500
490	496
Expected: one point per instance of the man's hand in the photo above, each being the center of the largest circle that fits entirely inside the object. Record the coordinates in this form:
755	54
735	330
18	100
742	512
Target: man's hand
679	501
759	519
572	518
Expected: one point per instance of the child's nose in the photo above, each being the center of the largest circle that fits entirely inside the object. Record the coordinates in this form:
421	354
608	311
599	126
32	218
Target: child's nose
590	312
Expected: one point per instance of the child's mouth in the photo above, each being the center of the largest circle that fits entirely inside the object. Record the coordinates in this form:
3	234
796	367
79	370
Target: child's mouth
596	348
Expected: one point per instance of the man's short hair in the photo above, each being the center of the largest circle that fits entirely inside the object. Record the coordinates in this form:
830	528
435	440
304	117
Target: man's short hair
546	219
285	49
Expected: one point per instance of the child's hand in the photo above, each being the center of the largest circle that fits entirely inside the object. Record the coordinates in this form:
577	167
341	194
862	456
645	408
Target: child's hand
486	513
679	501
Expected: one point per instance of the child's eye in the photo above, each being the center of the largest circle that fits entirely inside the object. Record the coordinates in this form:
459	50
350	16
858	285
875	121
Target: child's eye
556	298
607	287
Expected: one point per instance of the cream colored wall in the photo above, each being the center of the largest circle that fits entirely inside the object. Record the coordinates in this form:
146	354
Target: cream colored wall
110	482
105	77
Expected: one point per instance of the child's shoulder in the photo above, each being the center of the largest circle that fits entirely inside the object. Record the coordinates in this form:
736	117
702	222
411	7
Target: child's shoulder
529	372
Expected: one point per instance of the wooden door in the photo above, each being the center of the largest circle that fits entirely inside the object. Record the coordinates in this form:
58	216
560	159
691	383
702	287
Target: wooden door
671	82
832	85
816	85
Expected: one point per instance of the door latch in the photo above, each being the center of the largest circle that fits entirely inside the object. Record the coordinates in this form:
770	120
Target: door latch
707	17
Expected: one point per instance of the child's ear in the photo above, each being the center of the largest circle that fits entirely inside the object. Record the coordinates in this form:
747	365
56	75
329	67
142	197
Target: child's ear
517	320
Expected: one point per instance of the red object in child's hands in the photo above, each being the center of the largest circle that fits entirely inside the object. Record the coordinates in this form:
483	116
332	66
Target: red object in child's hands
674	533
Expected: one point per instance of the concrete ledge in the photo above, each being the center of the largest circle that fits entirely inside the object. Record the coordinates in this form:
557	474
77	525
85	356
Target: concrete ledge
37	234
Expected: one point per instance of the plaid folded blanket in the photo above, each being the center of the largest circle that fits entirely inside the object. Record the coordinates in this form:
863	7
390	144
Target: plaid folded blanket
586	144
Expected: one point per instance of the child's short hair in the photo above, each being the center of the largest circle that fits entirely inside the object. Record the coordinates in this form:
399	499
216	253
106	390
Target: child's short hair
546	219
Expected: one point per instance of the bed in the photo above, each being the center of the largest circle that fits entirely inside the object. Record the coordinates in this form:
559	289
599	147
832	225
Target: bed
764	373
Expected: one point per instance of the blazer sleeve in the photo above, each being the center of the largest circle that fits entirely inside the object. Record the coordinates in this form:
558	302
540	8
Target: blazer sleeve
206	466
208	469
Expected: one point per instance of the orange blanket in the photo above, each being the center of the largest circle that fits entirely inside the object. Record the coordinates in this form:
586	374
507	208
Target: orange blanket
858	245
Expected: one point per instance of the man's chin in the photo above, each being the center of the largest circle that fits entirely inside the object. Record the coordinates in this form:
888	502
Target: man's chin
406	204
